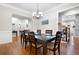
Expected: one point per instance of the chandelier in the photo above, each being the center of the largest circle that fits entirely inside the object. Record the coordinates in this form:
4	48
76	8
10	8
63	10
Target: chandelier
37	14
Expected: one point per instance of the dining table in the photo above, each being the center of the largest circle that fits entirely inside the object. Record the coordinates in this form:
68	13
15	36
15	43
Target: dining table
45	39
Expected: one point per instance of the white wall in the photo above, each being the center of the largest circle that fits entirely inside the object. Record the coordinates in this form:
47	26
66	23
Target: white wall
20	24
72	15
77	25
52	15
6	22
6	26
52	22
35	24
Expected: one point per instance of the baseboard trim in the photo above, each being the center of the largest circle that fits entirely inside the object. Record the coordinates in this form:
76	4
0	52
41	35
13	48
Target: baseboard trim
4	42
5	37
76	36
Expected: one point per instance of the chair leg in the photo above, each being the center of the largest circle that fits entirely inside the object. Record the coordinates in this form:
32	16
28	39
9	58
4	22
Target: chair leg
30	48
59	51
54	53
21	39
25	44
35	51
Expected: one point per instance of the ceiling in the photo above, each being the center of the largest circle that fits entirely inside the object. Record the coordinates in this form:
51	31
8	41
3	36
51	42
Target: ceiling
31	7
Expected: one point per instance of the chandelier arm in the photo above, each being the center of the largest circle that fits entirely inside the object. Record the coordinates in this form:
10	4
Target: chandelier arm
38	14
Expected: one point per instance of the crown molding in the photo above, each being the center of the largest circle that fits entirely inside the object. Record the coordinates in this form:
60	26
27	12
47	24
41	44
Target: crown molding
15	8
58	8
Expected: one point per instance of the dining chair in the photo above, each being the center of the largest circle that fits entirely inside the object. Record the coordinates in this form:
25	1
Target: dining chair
26	38
33	42
56	45
38	32
48	32
22	37
15	32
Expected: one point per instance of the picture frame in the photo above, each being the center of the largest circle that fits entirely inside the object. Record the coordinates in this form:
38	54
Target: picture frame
44	22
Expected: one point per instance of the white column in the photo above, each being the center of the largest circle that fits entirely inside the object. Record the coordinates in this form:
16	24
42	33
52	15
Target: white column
77	25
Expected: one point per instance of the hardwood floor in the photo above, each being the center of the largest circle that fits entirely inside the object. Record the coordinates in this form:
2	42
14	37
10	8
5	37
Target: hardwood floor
73	47
15	48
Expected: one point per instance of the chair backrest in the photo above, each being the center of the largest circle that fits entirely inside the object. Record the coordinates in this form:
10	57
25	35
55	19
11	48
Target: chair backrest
57	39
32	37
48	32
15	32
39	32
22	34
26	31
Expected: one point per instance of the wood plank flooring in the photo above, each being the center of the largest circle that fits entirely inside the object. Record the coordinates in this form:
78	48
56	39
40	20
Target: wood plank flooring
15	48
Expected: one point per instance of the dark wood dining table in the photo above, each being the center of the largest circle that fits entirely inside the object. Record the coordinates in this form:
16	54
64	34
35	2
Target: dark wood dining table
45	39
